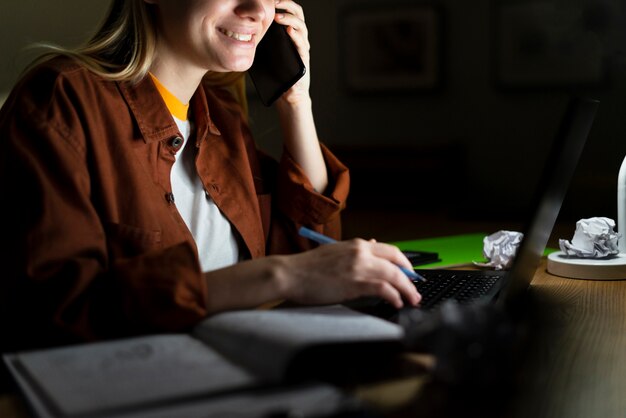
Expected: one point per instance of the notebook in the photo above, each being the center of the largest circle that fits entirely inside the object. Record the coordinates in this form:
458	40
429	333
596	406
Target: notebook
506	287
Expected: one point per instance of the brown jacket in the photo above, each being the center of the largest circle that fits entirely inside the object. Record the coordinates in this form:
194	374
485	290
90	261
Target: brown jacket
94	246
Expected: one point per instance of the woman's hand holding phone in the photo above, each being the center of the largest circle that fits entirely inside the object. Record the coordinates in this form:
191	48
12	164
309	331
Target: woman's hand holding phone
280	57
294	104
291	15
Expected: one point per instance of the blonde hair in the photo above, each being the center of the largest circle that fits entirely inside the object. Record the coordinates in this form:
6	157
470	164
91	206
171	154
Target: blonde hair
124	48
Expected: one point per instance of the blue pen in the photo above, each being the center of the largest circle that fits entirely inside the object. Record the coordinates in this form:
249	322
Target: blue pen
323	239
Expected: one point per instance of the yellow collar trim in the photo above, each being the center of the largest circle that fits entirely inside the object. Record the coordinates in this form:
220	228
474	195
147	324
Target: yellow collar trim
177	108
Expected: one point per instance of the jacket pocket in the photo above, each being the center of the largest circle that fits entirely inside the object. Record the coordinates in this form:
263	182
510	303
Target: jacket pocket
128	241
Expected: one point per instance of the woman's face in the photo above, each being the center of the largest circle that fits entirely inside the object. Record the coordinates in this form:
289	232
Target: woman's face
214	35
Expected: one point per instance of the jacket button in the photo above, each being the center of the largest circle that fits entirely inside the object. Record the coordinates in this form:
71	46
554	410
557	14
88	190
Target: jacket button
169	197
176	142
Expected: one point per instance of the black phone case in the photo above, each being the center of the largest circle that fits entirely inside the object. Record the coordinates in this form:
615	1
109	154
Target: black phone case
421	257
277	65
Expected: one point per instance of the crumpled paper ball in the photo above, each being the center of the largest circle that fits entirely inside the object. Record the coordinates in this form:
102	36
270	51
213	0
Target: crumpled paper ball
500	249
594	238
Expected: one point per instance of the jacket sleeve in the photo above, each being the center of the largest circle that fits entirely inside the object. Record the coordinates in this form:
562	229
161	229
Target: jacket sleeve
287	199
60	284
297	204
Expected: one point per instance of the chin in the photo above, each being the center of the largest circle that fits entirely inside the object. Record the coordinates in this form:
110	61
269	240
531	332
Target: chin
240	64
233	66
242	67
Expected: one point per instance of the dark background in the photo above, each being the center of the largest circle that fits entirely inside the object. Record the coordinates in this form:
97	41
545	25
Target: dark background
467	148
472	147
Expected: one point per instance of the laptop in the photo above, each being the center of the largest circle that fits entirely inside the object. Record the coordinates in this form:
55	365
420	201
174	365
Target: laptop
504	288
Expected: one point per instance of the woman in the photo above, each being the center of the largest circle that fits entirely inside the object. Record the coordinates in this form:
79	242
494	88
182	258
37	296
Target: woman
138	201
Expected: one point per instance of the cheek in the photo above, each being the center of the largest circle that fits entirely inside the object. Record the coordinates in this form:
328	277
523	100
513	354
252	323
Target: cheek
270	5
267	22
270	13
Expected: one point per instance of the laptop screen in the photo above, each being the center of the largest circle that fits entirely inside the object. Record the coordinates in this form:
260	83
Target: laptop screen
560	165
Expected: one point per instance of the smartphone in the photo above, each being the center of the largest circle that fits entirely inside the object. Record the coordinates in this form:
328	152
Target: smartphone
421	257
277	65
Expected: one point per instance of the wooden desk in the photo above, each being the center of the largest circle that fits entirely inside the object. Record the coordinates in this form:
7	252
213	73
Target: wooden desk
575	364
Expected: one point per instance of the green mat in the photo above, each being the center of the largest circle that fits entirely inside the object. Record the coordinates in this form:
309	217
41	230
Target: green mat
454	251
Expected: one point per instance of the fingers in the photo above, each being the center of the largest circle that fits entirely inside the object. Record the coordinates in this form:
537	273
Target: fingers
400	283
391	253
290	7
385	291
291	14
383	261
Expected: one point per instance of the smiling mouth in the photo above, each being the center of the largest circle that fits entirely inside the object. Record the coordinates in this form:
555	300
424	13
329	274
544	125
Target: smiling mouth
243	37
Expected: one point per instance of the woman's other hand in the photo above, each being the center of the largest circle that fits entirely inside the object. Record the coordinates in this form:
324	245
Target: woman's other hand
348	270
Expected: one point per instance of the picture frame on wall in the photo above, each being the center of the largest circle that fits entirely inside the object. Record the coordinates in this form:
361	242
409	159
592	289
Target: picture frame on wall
547	44
391	48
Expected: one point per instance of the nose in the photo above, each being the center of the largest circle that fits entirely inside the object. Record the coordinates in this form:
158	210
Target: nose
255	10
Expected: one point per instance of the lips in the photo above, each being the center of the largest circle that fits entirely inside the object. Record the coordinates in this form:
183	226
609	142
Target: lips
243	37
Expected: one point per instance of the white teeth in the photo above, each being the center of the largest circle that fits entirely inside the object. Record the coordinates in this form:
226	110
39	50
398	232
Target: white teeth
238	36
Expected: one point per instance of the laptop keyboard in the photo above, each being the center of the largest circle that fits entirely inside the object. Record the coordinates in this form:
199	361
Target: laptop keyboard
462	286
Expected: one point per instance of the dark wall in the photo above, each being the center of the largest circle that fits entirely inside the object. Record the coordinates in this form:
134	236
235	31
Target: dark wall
503	128
499	133
25	22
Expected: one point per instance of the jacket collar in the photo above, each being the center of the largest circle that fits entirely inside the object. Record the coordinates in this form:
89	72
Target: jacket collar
154	120
225	164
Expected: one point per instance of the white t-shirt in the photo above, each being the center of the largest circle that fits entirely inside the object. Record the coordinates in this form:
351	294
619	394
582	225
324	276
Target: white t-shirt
215	239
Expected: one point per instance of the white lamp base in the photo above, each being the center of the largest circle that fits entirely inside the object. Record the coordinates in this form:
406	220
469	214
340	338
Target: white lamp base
613	268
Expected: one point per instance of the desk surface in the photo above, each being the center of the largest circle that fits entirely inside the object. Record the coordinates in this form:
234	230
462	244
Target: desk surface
576	362
577	366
